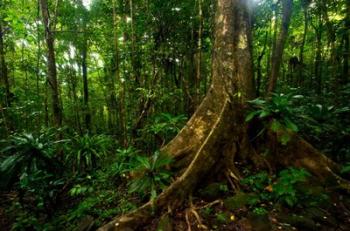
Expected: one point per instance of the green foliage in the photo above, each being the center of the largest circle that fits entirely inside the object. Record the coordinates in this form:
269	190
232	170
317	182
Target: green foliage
26	153
346	168
326	121
260	211
151	174
24	220
258	182
80	190
165	125
277	113
284	189
222	217
85	151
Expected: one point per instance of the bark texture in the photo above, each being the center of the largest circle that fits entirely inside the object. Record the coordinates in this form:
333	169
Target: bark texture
277	53
216	121
3	69
51	64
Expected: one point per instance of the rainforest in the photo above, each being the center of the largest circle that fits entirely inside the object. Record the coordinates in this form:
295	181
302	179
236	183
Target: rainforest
174	115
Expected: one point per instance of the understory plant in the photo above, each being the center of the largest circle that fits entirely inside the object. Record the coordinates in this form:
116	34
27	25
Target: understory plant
150	174
277	114
26	153
85	151
286	188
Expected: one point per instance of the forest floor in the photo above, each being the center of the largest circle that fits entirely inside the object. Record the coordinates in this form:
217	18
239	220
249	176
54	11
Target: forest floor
219	215
216	208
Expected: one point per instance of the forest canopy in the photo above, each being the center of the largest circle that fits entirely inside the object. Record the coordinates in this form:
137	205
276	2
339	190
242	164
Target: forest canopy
174	115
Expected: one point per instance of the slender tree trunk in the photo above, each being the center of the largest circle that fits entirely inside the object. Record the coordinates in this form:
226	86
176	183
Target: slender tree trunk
51	65
5	84
121	83
134	56
273	33
277	55
259	67
318	56
87	115
84	66
3	69
199	55
346	52
302	46
38	59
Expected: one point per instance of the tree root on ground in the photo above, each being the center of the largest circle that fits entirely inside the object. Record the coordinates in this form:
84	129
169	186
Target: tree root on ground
211	137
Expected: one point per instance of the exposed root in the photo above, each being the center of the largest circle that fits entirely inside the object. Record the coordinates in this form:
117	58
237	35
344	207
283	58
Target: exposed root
204	160
342	183
211	204
193	210
299	153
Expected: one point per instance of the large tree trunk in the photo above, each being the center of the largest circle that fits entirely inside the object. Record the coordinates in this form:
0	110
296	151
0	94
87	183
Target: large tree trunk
216	133
51	64
277	53
217	119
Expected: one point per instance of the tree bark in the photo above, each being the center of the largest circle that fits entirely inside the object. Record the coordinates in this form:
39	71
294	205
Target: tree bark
51	64
302	46
218	117
135	61
84	66
121	83
318	56
259	67
346	52
87	115
3	69
199	55
277	54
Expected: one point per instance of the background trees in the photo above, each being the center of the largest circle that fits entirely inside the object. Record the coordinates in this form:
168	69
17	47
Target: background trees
129	73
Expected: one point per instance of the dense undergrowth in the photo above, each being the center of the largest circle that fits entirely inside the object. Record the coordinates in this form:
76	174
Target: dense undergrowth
57	179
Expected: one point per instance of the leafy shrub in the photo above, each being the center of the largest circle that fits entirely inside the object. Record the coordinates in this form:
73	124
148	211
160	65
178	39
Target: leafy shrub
26	153
165	126
285	187
346	168
277	113
258	182
327	122
84	151
23	220
150	174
